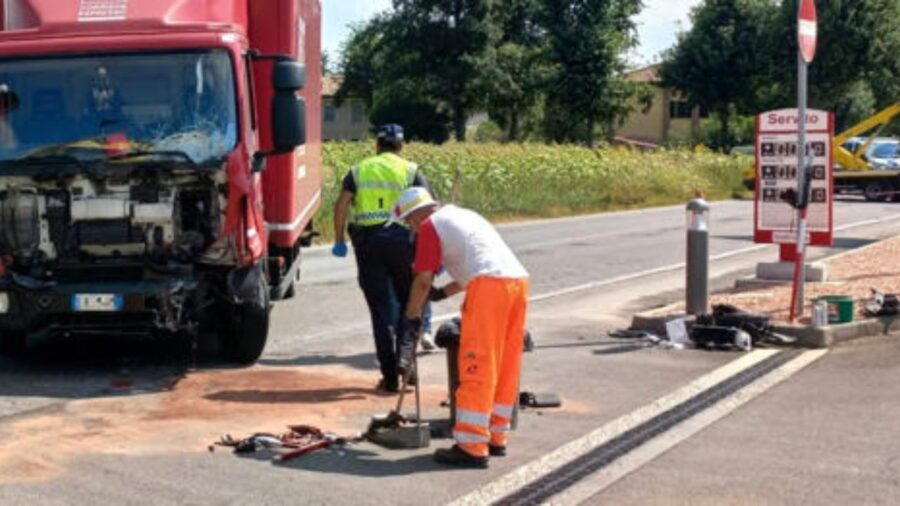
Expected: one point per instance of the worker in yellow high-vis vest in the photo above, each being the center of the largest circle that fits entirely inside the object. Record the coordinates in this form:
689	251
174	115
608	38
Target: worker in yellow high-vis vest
384	255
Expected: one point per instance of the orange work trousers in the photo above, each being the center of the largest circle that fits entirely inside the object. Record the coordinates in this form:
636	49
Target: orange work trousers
490	360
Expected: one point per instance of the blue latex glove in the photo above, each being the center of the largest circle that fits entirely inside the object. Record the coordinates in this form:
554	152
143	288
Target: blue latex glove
339	250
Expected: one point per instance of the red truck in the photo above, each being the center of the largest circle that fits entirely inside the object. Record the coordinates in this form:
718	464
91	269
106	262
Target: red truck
159	165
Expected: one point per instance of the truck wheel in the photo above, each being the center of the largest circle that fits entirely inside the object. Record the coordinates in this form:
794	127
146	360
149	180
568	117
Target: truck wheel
245	338
874	192
13	343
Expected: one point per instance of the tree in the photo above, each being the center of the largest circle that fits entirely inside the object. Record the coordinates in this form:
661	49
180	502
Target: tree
740	56
433	49
517	66
857	60
721	64
402	102
364	61
446	42
588	40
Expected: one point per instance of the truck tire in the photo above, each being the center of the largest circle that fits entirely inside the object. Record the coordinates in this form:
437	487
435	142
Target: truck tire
874	192
13	344
244	340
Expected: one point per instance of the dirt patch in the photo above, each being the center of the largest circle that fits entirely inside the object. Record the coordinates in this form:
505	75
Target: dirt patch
191	415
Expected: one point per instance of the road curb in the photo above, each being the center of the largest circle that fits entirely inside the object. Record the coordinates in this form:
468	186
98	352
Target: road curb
654	319
830	335
807	337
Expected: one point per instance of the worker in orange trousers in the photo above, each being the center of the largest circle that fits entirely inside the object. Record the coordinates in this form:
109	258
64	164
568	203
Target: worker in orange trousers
493	318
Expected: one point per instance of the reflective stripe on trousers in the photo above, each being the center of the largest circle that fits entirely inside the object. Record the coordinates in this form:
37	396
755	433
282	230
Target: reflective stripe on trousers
490	357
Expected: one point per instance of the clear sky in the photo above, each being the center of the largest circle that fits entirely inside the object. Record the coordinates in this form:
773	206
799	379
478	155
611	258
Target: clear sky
657	24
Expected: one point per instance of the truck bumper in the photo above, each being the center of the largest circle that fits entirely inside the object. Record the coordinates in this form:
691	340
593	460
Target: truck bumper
142	306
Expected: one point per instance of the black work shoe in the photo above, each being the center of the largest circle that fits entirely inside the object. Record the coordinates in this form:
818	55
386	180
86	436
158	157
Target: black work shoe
497	451
456	456
384	386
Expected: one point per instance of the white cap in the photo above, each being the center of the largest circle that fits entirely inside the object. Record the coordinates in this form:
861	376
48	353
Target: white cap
410	201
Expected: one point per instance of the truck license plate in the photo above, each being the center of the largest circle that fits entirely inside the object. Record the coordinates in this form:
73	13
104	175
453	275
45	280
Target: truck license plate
97	302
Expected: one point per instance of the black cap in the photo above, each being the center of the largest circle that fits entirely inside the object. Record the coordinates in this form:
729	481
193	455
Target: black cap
391	133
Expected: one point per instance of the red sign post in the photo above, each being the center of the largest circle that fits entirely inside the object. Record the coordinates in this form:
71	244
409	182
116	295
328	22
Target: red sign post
807	32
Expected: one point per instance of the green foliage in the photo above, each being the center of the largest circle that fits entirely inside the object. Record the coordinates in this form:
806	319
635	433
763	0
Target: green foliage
742	131
365	61
434	49
740	57
587	43
489	132
718	63
537	180
517	68
858	41
522	61
404	104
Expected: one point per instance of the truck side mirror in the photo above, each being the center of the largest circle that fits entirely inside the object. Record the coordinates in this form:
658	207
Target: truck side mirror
288	110
288	75
288	122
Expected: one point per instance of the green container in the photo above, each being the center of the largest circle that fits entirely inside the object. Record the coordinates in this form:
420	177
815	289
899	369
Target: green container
840	308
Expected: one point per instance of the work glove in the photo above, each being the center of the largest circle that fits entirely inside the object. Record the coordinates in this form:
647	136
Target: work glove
409	337
437	294
339	249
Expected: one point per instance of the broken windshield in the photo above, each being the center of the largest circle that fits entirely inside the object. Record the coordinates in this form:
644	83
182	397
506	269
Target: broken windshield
99	107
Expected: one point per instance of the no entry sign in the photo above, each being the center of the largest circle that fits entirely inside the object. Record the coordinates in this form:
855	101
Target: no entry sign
807	30
777	139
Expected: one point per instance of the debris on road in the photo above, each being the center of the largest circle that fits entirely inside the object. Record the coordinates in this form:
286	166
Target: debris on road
883	304
541	400
300	440
716	337
759	326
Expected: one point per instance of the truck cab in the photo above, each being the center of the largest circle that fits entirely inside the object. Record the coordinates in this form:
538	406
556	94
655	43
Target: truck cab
158	166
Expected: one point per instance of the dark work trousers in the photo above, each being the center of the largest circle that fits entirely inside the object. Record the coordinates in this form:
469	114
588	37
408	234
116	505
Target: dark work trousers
384	257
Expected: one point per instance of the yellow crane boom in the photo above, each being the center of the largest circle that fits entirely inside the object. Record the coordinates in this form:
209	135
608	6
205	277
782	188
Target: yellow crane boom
854	160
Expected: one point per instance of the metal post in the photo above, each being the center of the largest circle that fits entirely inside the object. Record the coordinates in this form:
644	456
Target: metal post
453	376
803	190
697	287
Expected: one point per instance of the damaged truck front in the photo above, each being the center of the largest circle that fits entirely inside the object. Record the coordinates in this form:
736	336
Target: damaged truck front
130	193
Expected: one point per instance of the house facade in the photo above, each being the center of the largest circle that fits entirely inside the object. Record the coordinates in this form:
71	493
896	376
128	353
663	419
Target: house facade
349	122
669	118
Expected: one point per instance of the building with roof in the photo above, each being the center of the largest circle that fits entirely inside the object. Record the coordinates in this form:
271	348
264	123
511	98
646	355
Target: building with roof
669	118
350	121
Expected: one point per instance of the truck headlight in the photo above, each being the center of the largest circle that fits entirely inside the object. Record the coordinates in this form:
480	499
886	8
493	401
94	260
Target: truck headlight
4	302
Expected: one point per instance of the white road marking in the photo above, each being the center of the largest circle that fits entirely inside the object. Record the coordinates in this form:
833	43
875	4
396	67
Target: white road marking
652	449
571	451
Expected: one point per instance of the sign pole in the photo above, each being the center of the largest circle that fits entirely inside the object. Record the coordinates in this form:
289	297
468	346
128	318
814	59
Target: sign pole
802	195
806	39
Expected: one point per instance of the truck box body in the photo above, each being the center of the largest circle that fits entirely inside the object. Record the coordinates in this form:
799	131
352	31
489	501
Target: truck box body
288	212
142	161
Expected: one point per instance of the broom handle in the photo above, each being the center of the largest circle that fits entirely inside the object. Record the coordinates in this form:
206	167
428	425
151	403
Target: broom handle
406	379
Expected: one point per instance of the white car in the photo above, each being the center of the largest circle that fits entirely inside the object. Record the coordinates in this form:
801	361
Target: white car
883	153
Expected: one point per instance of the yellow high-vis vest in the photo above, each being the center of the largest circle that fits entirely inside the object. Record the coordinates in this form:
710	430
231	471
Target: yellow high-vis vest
379	182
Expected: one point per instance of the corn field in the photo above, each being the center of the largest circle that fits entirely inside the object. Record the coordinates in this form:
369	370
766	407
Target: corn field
509	181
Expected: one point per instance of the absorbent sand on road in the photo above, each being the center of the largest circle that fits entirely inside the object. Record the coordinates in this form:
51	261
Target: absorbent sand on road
190	415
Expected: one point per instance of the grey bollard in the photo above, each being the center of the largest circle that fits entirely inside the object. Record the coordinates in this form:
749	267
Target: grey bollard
697	296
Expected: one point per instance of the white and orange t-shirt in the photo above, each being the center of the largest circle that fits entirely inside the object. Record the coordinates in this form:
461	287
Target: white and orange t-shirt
467	245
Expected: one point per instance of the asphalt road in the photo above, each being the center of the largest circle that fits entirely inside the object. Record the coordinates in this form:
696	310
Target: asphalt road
810	439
